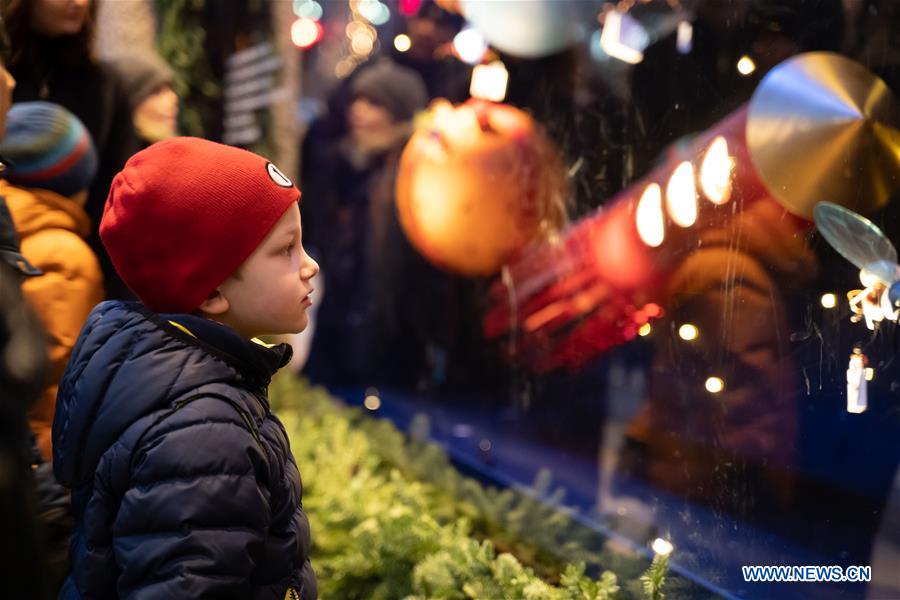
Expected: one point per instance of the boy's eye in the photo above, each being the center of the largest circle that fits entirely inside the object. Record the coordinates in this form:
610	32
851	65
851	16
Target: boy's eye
288	249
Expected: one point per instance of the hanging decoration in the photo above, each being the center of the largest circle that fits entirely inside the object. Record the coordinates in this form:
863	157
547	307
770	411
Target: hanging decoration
605	278
858	376
476	183
840	143
530	29
862	243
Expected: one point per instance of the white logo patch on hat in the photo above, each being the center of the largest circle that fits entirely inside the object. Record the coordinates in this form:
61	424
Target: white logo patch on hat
277	176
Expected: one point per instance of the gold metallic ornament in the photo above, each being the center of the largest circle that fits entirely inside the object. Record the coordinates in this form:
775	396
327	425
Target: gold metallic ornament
822	127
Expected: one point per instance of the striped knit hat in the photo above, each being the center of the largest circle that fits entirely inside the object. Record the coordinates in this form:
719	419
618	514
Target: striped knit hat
48	148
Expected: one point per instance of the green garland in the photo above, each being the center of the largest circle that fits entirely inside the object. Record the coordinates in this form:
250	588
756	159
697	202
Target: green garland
392	518
181	43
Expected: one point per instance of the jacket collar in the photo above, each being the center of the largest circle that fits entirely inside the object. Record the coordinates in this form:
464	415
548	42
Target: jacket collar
254	360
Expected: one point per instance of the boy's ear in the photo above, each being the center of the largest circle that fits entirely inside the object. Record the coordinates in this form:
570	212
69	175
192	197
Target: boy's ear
215	304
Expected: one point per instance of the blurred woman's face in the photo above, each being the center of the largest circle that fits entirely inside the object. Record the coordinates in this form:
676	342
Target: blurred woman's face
54	18
366	118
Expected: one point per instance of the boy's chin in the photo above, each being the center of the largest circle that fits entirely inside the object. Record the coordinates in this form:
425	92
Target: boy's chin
284	329
291	325
301	326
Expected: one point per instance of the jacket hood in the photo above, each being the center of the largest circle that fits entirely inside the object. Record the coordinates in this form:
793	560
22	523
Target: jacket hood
128	363
36	209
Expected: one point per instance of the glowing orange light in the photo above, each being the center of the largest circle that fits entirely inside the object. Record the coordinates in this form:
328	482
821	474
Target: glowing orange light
829	300
649	216
544	316
688	332
715	172
359	28
653	310
714	385
306	33
362	43
681	196
746	66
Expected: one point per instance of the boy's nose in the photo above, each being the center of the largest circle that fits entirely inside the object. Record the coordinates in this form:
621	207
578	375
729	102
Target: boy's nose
310	268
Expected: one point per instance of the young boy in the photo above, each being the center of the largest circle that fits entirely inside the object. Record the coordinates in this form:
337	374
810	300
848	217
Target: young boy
53	163
183	483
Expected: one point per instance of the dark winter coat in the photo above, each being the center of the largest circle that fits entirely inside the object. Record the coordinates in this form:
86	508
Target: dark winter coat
183	483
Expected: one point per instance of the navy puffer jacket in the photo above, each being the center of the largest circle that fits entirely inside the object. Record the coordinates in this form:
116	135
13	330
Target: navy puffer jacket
183	483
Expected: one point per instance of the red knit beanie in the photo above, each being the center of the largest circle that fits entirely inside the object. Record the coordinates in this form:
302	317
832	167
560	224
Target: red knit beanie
185	213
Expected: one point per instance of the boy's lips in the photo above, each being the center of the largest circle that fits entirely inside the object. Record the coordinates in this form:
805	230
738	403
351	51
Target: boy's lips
306	299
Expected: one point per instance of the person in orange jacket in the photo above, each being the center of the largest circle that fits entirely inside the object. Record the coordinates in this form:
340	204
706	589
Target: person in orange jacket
52	162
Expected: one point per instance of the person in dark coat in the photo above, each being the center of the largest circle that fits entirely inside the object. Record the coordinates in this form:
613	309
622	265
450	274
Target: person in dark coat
23	367
24	566
367	328
183	482
52	60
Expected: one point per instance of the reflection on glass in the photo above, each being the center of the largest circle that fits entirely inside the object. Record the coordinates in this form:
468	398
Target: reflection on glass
662	546
649	216
372	402
681	196
746	66
714	385
729	444
715	172
688	332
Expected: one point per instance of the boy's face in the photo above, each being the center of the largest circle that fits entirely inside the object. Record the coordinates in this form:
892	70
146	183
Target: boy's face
270	294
